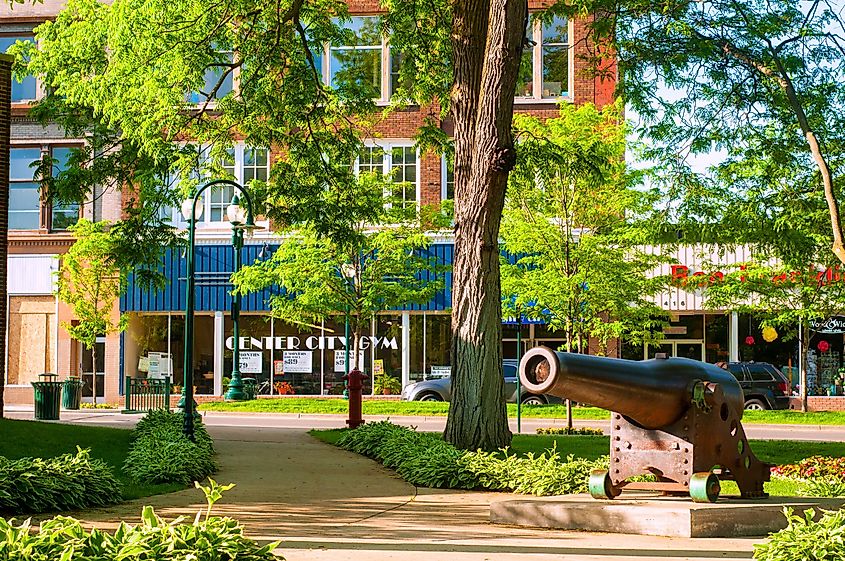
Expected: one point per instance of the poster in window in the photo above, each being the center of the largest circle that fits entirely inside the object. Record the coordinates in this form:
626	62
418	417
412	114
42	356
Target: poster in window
251	362
298	362
340	361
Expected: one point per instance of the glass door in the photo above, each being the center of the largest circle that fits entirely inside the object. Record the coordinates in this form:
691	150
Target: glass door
87	370
681	349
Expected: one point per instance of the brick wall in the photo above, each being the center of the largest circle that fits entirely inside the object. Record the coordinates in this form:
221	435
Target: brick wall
819	403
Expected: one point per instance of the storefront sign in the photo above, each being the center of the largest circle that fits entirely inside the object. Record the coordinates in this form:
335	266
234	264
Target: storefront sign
675	330
835	324
340	361
312	343
250	362
683	277
298	362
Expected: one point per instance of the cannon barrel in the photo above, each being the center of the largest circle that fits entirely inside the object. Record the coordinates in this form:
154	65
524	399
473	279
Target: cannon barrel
652	393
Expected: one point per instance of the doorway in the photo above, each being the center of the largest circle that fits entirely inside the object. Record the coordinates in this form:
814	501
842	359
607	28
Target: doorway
86	368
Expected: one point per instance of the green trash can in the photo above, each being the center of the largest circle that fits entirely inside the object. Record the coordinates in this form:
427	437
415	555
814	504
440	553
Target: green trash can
72	396
48	397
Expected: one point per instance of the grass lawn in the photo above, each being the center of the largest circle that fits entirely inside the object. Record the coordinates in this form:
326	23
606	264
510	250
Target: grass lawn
316	406
36	439
592	447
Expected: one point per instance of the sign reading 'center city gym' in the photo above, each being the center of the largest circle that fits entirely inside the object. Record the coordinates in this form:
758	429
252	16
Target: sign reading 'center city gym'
311	343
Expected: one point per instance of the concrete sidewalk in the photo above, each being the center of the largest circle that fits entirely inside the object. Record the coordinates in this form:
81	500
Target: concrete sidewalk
325	504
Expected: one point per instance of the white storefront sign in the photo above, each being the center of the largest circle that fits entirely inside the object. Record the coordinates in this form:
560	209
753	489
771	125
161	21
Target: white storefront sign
340	361
298	362
250	362
311	343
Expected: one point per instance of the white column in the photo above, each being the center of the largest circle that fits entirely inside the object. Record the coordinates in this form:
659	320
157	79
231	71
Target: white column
733	338
218	352
406	349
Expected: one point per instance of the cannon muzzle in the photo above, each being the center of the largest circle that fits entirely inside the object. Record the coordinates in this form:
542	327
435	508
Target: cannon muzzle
652	393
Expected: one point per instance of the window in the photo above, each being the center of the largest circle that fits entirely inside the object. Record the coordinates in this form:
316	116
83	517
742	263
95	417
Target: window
544	70
24	191
359	62
367	61
63	215
27	90
211	80
399	161
242	164
447	173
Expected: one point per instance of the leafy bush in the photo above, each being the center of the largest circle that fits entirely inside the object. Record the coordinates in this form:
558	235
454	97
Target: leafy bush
805	539
583	431
814	466
66	482
160	453
154	539
823	488
424	459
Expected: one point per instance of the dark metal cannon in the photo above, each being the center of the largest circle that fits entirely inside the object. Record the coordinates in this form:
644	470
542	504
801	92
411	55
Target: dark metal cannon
673	418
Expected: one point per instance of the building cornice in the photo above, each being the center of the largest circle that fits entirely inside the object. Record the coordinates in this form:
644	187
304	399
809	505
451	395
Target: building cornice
39	242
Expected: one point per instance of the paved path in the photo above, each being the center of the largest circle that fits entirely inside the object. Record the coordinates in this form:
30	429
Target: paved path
327	504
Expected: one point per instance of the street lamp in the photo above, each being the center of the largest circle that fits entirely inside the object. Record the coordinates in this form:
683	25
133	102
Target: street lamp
192	211
348	272
241	220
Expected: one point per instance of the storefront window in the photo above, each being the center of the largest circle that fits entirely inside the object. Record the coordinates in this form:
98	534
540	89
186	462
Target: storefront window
438	343
685	327
256	360
334	359
146	347
296	367
716	338
752	346
389	327
417	353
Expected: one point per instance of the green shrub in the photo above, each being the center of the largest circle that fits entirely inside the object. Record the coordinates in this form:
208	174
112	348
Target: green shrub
154	539
823	488
160	453
814	466
805	539
424	459
66	482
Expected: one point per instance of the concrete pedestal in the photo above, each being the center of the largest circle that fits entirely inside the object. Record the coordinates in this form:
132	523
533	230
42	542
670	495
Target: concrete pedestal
655	515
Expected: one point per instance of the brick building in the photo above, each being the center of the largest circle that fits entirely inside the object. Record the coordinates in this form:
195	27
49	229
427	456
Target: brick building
410	343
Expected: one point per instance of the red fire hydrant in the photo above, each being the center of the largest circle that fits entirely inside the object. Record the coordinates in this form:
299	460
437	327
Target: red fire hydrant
355	385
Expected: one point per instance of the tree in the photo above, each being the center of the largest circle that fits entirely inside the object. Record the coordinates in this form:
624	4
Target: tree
576	226
374	269
89	280
151	73
760	81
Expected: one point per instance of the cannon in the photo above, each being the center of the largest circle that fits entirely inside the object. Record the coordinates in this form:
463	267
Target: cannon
675	419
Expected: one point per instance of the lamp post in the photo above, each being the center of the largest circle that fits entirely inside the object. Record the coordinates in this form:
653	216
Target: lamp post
240	219
192	211
348	272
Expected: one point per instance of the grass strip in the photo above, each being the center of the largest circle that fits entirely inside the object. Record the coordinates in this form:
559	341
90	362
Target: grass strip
22	439
322	406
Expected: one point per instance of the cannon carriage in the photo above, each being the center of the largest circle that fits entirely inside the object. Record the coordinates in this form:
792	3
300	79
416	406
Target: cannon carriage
676	419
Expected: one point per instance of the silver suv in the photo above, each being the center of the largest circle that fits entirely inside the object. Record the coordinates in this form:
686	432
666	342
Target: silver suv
440	389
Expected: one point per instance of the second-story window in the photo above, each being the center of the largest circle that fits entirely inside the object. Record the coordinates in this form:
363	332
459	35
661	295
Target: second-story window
63	215
24	191
399	162
213	87
544	70
241	164
365	60
447	170
27	90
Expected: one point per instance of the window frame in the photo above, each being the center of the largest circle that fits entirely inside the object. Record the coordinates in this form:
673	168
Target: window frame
385	89
39	210
444	179
387	164
175	214
537	65
39	92
50	210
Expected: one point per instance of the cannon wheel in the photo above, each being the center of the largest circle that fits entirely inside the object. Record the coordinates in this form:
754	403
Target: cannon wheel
601	487
704	487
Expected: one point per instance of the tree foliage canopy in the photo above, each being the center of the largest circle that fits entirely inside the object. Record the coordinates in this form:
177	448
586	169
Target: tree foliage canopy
578	225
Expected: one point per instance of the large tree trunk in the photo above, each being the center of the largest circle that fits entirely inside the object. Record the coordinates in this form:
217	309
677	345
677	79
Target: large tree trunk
487	45
5	116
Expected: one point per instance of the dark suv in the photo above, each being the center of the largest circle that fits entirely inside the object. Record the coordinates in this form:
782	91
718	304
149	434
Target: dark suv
764	386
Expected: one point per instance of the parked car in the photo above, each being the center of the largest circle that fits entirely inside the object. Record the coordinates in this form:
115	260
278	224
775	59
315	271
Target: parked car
440	389
764	386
